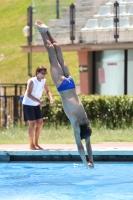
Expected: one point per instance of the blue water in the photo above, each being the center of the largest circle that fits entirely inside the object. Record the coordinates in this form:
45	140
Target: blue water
66	181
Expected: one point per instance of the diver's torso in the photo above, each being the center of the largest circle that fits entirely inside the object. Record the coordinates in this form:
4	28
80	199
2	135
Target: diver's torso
72	106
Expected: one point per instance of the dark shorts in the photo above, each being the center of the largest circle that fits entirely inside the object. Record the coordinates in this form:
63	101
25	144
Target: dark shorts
85	131
32	112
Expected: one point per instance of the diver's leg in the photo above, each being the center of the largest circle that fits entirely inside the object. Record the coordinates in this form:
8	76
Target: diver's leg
55	68
45	29
59	55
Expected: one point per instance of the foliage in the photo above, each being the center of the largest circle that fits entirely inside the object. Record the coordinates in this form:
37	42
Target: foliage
54	115
110	111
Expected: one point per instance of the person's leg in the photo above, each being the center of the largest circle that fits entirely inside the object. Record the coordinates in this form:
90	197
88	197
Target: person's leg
89	151
31	131
39	124
43	29
55	68
59	55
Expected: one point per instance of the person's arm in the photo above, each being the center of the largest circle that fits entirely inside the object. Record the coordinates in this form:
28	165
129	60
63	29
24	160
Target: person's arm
48	94
80	147
89	151
29	95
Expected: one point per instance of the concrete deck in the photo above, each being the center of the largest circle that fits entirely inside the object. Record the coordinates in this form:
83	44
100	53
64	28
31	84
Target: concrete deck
122	151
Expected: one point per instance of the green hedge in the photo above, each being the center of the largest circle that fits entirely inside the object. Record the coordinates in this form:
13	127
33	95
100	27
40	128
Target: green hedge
110	111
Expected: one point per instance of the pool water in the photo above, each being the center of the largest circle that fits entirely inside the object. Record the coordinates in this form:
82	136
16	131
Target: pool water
66	181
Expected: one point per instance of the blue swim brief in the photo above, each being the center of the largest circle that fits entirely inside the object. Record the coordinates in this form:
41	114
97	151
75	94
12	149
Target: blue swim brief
67	83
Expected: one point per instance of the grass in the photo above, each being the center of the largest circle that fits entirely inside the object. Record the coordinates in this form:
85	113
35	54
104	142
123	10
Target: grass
13	67
64	135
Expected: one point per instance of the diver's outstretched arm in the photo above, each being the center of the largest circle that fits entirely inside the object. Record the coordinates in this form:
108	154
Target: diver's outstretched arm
89	152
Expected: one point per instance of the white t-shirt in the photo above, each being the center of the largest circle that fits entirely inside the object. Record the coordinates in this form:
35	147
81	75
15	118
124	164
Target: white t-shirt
37	91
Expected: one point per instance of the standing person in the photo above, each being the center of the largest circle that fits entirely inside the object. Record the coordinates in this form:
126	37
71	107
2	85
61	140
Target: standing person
66	87
31	105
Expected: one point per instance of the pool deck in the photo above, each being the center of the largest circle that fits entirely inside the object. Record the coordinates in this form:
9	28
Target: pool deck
109	151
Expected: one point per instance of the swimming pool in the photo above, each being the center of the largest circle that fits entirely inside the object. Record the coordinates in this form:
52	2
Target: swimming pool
66	181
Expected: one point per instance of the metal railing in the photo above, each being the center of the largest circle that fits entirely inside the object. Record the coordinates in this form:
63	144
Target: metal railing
7	89
10	110
11	104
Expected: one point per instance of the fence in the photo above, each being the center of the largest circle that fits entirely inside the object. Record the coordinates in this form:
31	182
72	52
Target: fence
11	104
10	110
7	89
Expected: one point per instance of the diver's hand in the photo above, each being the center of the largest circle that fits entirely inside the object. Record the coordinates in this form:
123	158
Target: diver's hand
91	164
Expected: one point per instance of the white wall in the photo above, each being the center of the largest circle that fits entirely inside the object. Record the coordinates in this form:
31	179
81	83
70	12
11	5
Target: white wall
112	61
130	72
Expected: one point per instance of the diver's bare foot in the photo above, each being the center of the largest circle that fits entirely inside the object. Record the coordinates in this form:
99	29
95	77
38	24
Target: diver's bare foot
38	147
32	147
41	26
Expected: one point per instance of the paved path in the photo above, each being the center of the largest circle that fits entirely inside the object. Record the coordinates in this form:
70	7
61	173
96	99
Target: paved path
106	145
